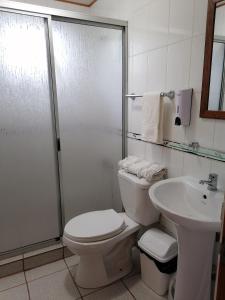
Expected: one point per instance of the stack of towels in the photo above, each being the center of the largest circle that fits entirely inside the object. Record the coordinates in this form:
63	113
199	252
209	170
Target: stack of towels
143	169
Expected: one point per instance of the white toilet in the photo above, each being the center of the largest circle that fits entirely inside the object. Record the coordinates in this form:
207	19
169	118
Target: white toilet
104	239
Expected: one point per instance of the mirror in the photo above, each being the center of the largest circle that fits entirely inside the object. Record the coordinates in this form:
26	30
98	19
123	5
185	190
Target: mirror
213	86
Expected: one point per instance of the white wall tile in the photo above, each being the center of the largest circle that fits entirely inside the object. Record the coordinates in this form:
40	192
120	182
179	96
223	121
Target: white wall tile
181	20
157	65
117	9
150	26
197	61
219	168
130	73
196	166
153	153
200	15
140	73
138	85
136	148
219	137
135	113
178	65
173	161
200	130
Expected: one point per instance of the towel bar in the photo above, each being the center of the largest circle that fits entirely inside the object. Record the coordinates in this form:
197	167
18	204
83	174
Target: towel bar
170	95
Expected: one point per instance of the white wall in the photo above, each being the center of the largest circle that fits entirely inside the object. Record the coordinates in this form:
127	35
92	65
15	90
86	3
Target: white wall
166	50
57	4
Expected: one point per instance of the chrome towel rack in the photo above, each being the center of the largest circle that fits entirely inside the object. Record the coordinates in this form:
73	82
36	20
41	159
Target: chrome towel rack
170	95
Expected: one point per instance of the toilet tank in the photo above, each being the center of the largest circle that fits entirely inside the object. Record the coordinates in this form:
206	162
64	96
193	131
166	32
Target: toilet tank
135	198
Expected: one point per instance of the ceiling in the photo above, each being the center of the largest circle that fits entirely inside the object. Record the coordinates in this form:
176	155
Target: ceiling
87	3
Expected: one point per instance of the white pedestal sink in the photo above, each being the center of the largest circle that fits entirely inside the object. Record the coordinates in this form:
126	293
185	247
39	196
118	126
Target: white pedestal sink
196	213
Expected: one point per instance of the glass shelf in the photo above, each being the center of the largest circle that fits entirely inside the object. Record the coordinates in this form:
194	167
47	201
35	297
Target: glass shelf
200	151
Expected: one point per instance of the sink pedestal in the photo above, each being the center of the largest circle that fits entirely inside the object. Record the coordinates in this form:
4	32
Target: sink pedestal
193	280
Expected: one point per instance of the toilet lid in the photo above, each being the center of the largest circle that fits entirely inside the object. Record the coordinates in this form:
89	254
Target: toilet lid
94	226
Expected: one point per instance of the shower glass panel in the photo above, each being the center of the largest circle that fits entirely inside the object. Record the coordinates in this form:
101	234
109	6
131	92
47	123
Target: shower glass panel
88	62
29	204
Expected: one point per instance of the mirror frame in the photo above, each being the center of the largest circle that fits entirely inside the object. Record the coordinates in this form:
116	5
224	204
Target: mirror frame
204	112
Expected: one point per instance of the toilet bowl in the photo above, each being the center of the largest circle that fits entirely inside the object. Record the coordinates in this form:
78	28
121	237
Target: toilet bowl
104	239
107	259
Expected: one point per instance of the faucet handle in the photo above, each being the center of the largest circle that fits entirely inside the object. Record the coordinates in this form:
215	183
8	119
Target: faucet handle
213	178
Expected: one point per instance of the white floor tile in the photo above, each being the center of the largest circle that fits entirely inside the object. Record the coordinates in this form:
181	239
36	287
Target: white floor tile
140	290
17	293
72	260
12	281
57	286
116	291
45	270
84	292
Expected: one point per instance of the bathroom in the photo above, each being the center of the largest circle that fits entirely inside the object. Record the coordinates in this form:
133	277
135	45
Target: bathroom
61	145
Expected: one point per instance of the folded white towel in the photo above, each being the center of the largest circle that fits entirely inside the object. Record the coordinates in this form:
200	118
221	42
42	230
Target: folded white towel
138	167
153	110
154	172
143	169
128	161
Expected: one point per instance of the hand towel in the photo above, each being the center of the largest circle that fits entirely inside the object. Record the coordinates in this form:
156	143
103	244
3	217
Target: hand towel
153	110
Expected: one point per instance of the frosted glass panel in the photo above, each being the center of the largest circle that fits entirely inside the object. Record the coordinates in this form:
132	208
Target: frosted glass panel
89	86
28	185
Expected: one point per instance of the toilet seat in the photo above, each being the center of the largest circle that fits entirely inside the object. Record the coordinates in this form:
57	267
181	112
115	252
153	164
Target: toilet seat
94	226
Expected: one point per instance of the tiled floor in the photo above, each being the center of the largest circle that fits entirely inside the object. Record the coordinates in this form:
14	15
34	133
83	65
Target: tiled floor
55	281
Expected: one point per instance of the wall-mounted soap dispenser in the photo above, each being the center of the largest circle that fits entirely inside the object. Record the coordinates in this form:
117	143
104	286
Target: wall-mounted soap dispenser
183	107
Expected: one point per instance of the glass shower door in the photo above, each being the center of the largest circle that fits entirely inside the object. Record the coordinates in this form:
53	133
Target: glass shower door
29	198
88	62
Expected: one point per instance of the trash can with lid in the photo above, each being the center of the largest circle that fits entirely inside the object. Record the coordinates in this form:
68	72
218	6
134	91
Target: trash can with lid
158	259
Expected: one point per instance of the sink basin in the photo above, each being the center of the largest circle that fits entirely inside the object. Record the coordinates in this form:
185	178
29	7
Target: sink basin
188	203
196	212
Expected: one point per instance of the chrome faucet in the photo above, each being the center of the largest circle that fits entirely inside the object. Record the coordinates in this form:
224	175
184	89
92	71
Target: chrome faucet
212	182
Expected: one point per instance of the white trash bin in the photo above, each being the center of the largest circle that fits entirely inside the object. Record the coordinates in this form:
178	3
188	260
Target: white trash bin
158	259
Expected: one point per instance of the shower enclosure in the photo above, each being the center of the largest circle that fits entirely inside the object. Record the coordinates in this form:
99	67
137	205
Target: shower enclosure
62	125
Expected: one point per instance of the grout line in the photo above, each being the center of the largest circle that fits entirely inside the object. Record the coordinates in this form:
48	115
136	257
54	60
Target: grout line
166	45
193	17
27	285
28	290
128	289
70	273
46	275
12	287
